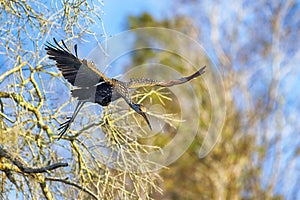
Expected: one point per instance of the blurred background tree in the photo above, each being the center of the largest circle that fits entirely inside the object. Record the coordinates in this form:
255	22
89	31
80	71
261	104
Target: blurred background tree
251	45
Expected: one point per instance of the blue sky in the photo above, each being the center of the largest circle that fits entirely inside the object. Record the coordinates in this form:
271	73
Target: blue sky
117	11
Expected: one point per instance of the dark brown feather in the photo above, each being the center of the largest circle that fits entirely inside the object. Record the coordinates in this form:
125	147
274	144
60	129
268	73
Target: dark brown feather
79	73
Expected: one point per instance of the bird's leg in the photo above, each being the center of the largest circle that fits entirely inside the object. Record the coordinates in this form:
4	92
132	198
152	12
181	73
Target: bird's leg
64	126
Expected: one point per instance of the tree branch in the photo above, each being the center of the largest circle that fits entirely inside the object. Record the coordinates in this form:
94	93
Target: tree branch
73	184
20	101
23	166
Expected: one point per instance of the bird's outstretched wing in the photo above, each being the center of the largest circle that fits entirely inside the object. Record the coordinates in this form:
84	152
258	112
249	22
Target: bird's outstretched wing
78	72
144	82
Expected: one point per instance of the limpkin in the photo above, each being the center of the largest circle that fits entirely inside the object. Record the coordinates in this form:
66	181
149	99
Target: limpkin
91	85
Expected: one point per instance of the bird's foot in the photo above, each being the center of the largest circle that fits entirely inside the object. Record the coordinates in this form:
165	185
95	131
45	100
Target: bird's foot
64	127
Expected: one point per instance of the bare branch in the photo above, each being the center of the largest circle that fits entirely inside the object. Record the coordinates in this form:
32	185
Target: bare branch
73	184
16	160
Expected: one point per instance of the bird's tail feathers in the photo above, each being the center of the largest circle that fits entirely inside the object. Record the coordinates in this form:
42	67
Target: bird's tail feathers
82	93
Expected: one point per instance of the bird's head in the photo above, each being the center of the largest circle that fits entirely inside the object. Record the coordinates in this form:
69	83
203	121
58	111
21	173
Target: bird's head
140	109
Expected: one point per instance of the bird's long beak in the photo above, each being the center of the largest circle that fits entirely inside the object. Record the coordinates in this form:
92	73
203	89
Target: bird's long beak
145	117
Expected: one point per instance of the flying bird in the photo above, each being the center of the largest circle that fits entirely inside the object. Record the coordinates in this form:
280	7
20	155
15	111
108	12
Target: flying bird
91	85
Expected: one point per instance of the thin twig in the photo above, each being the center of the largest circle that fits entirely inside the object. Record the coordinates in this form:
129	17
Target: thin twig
73	184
